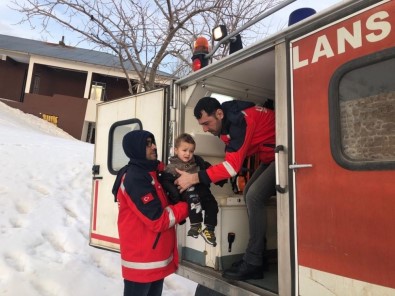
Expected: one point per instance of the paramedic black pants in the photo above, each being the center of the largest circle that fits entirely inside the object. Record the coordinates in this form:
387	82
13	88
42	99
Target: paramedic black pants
259	188
143	289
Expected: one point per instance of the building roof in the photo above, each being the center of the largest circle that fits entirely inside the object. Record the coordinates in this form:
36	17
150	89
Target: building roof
63	52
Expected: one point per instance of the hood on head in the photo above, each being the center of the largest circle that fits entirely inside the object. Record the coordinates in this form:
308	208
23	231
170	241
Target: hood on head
134	144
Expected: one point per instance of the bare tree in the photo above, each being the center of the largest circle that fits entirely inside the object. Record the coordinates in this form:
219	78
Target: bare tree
145	35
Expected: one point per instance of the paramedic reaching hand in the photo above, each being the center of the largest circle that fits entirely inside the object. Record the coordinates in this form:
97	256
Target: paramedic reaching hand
145	220
246	129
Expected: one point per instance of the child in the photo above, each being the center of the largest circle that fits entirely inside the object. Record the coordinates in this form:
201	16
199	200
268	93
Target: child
199	196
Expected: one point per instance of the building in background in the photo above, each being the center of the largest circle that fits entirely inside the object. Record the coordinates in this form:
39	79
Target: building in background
61	84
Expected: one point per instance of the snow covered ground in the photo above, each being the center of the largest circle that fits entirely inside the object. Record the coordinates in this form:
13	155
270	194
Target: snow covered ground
45	194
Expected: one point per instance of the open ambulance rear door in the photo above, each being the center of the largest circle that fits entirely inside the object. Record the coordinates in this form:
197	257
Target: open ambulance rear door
343	101
148	111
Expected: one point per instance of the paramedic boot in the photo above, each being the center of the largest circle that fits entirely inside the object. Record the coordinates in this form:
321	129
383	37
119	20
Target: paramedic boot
195	230
209	235
243	271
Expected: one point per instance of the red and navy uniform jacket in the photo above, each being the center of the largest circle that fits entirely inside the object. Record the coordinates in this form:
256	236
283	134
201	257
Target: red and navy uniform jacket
146	227
247	129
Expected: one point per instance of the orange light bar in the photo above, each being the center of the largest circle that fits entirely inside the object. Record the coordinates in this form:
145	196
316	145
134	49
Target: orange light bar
200	45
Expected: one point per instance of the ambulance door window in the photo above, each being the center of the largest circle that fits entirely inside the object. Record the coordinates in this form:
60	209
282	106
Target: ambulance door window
116	157
362	113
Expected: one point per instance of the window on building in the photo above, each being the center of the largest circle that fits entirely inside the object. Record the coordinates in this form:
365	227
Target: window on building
36	84
363	109
98	91
90	135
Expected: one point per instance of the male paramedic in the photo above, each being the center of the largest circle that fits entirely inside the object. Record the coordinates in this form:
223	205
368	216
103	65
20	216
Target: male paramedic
246	129
146	221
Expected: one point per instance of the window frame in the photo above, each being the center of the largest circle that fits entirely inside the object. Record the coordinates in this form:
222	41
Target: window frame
334	114
111	140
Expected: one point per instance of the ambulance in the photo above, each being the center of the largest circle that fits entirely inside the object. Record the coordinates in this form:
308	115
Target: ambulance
331	224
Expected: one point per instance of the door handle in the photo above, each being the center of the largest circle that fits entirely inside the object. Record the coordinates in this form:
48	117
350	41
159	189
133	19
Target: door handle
276	153
299	166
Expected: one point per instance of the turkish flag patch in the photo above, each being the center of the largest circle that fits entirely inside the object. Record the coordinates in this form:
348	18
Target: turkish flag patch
147	198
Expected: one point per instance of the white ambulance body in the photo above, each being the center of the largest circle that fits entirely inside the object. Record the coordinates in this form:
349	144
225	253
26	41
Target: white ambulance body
331	225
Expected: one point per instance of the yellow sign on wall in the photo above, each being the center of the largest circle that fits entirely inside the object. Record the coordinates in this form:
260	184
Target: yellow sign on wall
51	118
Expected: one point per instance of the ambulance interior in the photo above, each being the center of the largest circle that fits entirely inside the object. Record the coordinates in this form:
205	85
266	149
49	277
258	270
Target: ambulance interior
252	80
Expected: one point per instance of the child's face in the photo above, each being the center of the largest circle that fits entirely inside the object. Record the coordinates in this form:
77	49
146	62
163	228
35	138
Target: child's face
184	151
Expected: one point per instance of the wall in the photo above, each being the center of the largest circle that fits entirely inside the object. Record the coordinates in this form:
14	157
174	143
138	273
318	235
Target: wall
69	111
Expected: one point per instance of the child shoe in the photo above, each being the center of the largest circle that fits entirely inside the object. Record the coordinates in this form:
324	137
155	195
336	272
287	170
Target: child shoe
209	236
195	230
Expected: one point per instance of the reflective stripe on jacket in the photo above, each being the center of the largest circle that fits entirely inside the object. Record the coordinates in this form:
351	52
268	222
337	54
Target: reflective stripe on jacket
146	230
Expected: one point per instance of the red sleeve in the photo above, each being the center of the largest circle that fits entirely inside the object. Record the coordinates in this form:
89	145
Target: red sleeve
169	214
233	160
